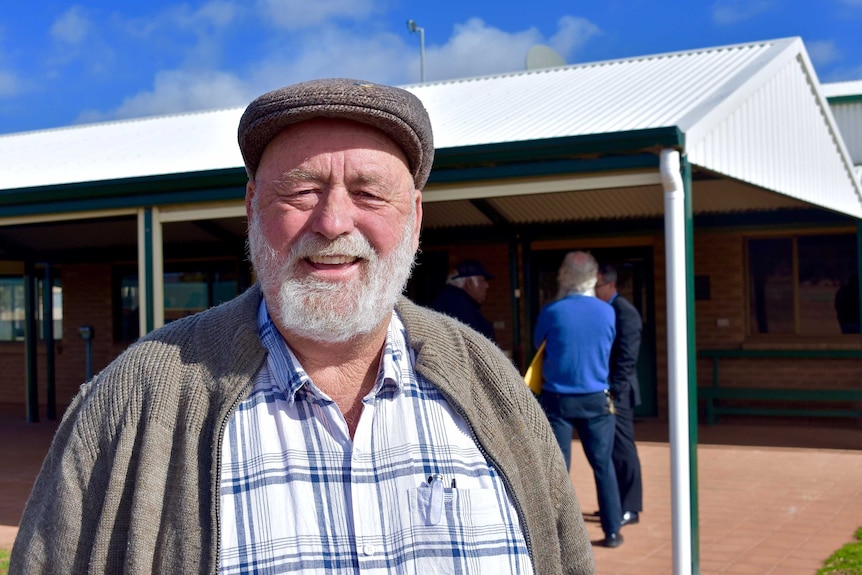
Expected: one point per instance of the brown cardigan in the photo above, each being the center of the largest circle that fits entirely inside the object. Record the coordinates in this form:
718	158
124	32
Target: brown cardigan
130	484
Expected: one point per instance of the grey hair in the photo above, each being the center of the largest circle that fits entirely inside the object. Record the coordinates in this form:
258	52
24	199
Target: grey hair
578	273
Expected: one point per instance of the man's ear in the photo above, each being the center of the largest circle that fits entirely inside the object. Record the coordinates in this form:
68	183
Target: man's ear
250	189
417	224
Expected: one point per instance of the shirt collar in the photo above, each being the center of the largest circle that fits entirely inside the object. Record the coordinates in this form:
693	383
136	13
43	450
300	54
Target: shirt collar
290	377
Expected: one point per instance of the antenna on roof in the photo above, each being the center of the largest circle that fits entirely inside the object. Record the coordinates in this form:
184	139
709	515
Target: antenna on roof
541	56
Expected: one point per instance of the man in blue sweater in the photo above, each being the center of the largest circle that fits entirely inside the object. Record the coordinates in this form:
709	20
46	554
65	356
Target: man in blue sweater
579	330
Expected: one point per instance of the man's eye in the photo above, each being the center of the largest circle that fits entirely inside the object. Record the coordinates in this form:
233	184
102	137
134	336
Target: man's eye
366	195
300	192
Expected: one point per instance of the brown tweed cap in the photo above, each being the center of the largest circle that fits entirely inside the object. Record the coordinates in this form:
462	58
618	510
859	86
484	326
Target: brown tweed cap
398	113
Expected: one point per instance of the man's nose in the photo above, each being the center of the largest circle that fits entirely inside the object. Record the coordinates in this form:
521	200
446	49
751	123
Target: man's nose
334	214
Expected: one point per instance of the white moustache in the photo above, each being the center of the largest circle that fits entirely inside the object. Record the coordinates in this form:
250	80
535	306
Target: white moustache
343	249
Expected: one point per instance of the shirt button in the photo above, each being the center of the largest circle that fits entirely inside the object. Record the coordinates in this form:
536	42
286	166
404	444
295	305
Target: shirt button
369	549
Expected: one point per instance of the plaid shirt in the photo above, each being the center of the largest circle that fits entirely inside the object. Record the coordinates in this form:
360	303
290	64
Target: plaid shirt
411	493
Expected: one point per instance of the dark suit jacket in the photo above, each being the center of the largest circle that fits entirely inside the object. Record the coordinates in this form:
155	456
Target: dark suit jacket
624	353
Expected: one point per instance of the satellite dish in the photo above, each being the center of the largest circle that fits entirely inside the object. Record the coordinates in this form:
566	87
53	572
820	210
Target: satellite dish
541	56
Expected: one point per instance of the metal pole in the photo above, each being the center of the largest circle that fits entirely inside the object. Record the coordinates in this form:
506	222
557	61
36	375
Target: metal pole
411	25
50	347
677	328
31	341
422	55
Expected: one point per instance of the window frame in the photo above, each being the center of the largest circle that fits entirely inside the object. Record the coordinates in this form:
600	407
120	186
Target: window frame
841	339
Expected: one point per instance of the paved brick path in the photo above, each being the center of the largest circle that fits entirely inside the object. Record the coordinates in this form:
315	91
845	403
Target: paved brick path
773	500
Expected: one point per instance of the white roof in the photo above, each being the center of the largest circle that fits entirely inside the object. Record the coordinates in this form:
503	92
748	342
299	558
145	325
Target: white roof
753	112
125	149
839	89
847	111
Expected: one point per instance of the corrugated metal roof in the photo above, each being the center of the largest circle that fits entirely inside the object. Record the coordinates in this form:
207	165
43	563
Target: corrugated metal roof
620	95
751	111
125	149
848	115
842	89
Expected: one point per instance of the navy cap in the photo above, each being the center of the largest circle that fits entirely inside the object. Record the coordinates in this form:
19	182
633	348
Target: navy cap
470	268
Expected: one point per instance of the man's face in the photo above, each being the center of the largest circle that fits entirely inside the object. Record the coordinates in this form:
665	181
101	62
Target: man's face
477	287
605	290
333	227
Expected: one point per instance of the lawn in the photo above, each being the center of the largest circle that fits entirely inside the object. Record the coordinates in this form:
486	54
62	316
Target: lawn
4	562
847	560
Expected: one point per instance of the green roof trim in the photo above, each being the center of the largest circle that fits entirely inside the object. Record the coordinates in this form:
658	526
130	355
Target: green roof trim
211	185
614	151
849	99
546	168
556	148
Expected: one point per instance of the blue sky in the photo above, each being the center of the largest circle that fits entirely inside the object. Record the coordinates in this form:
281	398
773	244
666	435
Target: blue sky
65	63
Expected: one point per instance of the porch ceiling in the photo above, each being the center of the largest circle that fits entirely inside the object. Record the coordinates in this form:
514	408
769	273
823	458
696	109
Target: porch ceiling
713	196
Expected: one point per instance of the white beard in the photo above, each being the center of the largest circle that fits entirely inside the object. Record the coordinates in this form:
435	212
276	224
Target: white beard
324	311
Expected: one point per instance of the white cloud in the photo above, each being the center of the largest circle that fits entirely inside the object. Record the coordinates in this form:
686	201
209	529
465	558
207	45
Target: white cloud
214	15
72	27
298	14
477	49
572	33
823	52
726	12
10	85
178	91
379	58
473	49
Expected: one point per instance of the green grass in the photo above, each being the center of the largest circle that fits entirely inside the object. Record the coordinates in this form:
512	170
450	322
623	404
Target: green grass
4	562
847	560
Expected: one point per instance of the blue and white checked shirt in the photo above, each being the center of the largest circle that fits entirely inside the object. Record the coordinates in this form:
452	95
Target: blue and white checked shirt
297	495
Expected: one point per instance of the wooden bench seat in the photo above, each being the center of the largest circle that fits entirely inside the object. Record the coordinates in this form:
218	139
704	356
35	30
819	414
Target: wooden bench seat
773	401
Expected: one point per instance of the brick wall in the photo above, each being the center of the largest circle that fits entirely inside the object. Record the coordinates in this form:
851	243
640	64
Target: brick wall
86	301
721	323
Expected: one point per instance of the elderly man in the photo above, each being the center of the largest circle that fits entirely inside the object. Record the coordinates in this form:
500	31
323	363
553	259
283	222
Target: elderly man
463	294
318	423
578	329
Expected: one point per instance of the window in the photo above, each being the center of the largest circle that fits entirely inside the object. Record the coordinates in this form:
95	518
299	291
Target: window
189	288
12	308
803	285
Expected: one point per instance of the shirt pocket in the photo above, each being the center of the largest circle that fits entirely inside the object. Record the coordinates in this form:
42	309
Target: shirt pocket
473	534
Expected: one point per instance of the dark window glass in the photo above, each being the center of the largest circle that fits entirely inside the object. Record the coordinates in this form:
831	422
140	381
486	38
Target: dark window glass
11	309
806	285
189	288
770	269
828	294
13	312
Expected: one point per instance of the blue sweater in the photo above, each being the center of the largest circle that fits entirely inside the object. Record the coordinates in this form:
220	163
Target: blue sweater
580	331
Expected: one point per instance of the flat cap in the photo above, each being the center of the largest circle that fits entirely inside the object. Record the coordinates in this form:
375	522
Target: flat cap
396	112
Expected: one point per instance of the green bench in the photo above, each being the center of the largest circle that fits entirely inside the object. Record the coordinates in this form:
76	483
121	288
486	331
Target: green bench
714	394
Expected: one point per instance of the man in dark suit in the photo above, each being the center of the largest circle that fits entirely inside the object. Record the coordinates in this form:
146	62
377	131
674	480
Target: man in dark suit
623	382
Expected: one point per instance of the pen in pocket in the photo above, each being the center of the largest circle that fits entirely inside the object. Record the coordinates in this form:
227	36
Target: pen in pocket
435	502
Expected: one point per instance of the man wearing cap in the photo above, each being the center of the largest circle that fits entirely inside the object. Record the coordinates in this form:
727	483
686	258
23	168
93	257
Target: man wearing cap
463	294
319	422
